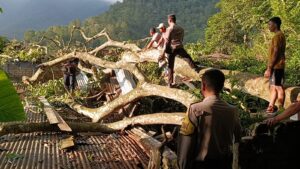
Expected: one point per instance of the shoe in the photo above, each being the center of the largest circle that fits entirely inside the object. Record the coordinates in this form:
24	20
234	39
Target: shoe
171	85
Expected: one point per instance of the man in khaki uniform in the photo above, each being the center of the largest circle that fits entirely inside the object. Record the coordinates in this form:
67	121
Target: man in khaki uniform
209	129
174	46
276	64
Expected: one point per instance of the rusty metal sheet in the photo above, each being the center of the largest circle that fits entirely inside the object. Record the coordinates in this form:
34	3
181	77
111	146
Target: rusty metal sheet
41	151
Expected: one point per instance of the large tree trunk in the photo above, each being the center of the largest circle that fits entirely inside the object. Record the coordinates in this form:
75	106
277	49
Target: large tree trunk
256	86
252	84
150	119
248	83
144	90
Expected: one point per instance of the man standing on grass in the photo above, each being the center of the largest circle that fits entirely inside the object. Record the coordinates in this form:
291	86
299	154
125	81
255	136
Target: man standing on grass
276	65
174	46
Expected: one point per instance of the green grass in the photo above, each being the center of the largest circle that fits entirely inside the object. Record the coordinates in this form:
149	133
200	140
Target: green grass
11	108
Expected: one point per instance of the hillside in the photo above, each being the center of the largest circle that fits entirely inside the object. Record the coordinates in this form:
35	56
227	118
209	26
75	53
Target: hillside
131	19
21	15
240	29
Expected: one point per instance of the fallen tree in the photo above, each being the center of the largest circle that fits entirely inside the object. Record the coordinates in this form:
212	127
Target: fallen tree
248	83
149	119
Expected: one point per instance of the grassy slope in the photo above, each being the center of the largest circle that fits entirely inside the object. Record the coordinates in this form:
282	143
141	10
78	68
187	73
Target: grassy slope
11	108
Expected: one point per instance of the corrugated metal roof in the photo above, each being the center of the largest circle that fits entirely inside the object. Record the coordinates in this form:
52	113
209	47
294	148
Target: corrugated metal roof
41	151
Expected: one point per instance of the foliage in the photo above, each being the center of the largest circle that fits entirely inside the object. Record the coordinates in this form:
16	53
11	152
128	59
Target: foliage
3	43
246	104
21	51
11	108
152	72
131	19
240	30
236	20
53	90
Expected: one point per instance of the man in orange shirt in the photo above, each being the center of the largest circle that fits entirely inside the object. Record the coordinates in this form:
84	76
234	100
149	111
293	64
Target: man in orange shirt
276	64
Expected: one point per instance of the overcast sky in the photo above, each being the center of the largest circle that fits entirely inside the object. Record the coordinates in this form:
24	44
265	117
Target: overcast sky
22	15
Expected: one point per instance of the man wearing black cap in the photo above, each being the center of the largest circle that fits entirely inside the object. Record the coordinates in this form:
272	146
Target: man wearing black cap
174	46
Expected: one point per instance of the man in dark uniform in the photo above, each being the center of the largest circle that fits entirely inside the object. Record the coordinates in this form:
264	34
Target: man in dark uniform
174	46
69	70
209	129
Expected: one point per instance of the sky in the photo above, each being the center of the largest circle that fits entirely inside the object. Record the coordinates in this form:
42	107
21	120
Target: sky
21	15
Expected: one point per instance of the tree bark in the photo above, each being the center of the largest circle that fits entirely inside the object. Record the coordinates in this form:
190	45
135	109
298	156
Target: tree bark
252	84
150	119
144	90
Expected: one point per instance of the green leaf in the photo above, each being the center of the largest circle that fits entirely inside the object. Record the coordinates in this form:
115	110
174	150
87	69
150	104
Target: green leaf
1	10
11	108
13	156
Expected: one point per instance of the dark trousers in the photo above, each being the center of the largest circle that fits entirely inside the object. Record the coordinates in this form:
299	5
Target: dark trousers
222	163
187	150
70	81
171	60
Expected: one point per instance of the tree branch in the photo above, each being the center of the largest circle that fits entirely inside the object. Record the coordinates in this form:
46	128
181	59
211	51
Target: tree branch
151	119
144	90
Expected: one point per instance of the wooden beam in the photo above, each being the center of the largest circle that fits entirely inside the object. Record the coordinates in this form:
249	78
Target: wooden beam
53	116
49	111
63	126
66	143
159	156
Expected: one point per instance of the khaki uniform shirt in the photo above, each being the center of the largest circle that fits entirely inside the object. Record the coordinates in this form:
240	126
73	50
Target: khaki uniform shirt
174	36
217	124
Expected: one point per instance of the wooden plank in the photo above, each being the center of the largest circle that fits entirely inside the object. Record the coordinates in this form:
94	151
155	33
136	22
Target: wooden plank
63	126
49	111
54	117
66	143
158	155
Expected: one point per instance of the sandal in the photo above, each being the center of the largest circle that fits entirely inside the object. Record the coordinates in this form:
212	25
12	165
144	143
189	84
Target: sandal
270	109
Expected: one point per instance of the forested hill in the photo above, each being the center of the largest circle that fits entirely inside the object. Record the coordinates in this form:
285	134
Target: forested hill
131	19
21	15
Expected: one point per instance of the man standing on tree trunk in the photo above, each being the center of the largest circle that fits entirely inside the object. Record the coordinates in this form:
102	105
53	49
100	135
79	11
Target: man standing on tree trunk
276	65
174	46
